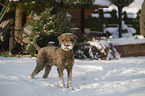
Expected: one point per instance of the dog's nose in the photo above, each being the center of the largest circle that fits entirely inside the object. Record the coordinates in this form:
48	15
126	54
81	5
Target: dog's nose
66	44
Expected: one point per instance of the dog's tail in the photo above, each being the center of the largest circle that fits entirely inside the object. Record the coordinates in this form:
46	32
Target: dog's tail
34	42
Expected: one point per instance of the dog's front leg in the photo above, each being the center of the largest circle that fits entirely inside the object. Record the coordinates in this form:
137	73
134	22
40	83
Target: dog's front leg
69	72
61	81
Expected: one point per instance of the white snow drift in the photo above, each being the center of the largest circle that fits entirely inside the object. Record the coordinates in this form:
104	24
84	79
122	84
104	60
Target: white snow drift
123	77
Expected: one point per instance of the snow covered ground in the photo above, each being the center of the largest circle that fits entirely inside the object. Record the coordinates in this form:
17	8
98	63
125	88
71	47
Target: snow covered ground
123	77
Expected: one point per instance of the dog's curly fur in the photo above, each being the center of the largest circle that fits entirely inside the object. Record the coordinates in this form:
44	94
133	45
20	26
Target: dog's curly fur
62	57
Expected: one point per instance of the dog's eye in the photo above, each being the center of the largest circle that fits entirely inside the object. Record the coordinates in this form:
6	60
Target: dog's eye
62	40
72	40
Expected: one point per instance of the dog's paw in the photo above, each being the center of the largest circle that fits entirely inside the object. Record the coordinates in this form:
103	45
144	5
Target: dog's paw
69	87
62	85
44	77
31	76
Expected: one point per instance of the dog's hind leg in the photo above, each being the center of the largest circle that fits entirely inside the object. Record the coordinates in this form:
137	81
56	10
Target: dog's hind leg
37	69
69	72
61	81
47	70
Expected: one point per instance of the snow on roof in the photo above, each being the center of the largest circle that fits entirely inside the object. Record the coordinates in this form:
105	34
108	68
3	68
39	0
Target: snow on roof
102	2
130	14
134	7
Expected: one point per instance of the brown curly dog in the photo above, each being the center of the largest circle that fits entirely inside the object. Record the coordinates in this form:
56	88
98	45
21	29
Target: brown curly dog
62	57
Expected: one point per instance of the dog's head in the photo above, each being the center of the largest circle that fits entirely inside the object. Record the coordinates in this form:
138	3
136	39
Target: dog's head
67	41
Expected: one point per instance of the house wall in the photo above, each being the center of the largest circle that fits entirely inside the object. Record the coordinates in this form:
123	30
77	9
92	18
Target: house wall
76	16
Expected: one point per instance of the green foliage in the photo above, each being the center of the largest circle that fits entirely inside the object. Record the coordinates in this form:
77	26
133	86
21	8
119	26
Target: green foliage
3	1
48	25
50	18
36	6
39	6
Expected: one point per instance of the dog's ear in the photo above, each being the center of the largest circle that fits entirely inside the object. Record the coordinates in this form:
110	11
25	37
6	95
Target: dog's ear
75	38
59	38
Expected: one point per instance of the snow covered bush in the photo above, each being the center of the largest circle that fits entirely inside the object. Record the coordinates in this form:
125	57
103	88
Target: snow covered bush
49	25
84	51
96	49
127	32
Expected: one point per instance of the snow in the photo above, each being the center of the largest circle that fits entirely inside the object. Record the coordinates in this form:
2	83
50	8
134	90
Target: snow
104	45
127	32
123	77
130	14
95	15
131	10
134	7
107	15
127	41
97	50
102	2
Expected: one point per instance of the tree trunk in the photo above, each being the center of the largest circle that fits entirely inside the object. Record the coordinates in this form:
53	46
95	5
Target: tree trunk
82	19
11	41
18	22
120	21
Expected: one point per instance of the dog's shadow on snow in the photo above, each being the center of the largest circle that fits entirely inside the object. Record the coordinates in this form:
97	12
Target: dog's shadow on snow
47	82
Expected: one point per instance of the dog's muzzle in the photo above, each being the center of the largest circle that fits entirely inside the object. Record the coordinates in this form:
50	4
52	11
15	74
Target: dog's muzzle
67	46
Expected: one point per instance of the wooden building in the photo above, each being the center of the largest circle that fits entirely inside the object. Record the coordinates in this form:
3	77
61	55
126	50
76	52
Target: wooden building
79	14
